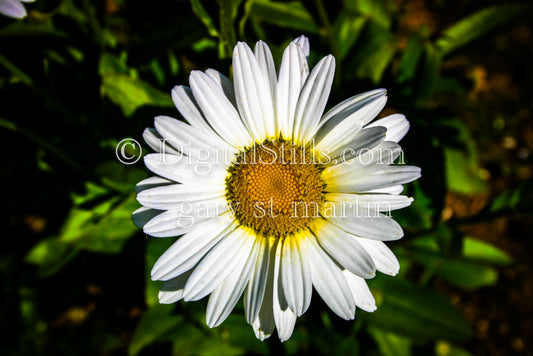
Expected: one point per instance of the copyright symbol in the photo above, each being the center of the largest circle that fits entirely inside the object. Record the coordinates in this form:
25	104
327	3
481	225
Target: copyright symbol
128	151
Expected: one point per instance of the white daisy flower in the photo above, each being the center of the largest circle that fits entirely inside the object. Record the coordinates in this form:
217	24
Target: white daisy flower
13	8
271	198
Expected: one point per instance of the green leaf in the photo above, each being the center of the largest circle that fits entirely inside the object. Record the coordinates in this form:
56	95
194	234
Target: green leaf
479	24
104	227
156	325
200	11
410	60
416	312
460	272
391	344
130	93
462	173
483	251
443	348
154	249
378	11
376	52
237	332
287	14
347	29
50	255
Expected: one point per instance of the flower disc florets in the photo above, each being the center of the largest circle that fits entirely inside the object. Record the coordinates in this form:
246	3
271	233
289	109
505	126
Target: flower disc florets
275	187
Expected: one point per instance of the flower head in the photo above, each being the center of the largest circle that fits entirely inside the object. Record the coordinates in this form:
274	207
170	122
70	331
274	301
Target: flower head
269	196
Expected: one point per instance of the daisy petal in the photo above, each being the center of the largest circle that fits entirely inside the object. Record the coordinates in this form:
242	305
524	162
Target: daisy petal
385	260
168	223
223	299
396	125
327	278
172	290
338	130
190	248
313	99
192	141
293	73
188	107
224	83
361	222
362	141
253	92
303	42
157	143
283	316
142	215
394	190
295	276
12	9
185	198
218	110
219	262
151	182
345	249
383	178
186	170
361	293
266	63
264	324
254	293
373	202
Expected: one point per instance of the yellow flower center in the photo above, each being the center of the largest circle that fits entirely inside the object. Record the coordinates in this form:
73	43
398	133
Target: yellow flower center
274	187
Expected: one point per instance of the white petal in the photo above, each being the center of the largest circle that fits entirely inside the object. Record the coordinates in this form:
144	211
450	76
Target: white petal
151	182
225	296
219	262
327	278
347	109
296	277
167	224
348	122
303	42
313	99
186	170
283	316
345	249
12	8
366	162
253	93
292	76
198	143
264	324
266	63
188	107
361	293
190	248
172	290
157	143
374	202
358	143
224	83
385	260
361	222
254	293
397	126
218	110
394	190
142	215
382	178
191	200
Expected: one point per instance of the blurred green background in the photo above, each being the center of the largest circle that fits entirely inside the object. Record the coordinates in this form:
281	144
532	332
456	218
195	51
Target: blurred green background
78	76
